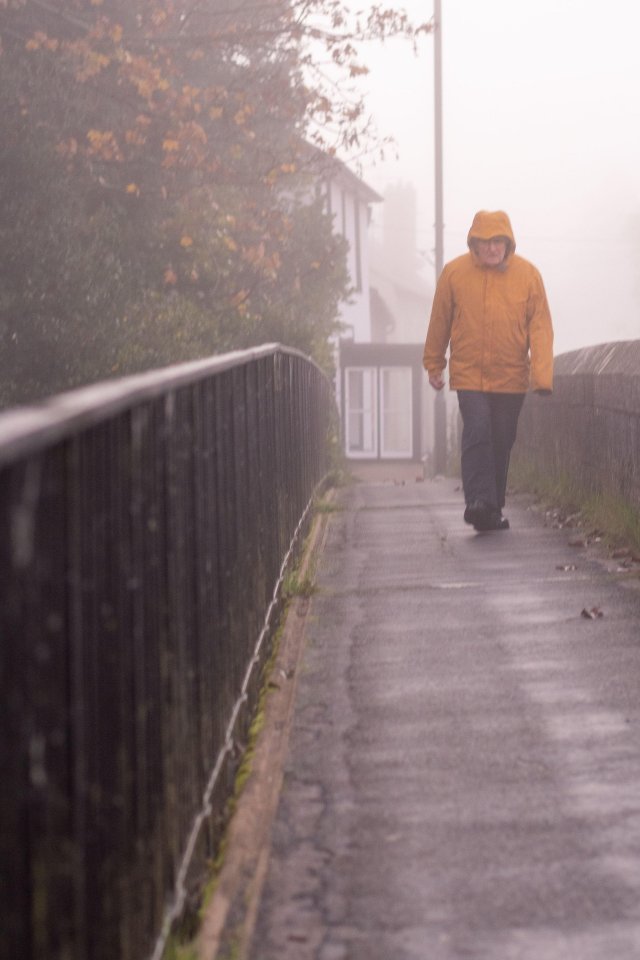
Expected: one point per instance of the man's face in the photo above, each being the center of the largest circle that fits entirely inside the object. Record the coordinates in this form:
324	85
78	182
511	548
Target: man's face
491	252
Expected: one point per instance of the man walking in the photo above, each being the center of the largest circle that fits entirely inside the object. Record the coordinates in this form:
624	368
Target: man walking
490	306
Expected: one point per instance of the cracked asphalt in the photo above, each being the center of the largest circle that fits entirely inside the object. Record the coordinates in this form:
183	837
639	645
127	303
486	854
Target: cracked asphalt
463	775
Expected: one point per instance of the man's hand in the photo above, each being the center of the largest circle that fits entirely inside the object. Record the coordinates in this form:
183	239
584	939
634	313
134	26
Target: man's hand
436	380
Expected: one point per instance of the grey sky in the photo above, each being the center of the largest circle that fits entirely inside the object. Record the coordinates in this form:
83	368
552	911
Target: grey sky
541	119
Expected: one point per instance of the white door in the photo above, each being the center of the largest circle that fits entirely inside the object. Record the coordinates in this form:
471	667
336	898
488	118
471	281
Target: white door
361	414
396	405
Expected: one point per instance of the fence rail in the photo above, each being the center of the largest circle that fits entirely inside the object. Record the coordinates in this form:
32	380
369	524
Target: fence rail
144	527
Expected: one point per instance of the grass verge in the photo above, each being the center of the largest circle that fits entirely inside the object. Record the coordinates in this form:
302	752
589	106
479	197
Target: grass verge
616	520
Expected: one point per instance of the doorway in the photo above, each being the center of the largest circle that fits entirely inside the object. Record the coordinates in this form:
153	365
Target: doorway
379	412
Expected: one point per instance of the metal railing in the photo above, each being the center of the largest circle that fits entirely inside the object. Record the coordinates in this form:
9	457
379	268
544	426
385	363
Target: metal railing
587	435
145	528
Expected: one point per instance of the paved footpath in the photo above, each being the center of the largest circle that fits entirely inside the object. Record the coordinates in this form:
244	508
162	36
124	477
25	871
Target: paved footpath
463	777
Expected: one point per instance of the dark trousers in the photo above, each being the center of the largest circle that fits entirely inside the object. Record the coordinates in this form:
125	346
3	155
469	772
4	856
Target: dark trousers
489	425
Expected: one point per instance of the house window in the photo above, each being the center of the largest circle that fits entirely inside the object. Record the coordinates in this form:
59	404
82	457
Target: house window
326	192
357	245
396	412
361	411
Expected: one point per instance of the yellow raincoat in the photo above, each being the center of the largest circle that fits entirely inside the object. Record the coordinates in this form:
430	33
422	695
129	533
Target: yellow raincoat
496	319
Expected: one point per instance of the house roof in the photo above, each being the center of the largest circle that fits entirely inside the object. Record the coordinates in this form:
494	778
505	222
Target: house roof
333	169
341	174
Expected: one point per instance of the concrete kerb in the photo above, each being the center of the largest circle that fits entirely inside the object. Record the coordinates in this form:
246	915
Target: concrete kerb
230	916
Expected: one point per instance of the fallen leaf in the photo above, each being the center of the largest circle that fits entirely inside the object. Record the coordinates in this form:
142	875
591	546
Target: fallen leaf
593	613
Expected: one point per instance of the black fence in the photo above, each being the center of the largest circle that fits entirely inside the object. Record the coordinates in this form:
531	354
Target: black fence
145	529
587	435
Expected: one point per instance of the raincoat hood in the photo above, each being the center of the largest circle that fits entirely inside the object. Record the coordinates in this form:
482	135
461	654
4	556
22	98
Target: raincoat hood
487	224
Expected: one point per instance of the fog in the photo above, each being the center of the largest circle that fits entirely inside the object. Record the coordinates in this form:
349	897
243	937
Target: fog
541	110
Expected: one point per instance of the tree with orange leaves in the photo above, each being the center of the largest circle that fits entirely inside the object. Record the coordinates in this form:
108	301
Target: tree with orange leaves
175	134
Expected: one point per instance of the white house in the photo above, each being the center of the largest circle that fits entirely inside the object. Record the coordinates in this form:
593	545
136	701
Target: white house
380	382
349	200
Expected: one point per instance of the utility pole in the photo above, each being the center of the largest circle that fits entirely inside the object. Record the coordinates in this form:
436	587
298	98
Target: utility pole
437	115
440	405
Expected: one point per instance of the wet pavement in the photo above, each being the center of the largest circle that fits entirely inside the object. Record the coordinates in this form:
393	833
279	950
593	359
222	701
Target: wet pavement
463	776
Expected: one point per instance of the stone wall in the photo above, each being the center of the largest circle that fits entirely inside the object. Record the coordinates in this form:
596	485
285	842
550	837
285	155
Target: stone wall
587	433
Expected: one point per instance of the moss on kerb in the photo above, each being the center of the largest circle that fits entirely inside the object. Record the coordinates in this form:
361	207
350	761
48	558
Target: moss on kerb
296	586
174	951
298	582
182	943
325	507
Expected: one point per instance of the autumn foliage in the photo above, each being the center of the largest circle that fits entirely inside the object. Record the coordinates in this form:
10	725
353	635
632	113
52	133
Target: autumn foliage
160	179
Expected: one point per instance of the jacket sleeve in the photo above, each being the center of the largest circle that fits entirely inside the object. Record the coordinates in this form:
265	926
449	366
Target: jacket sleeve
540	336
439	331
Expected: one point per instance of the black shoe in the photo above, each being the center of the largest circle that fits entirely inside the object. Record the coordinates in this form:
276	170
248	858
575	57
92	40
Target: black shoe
494	522
501	523
478	513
